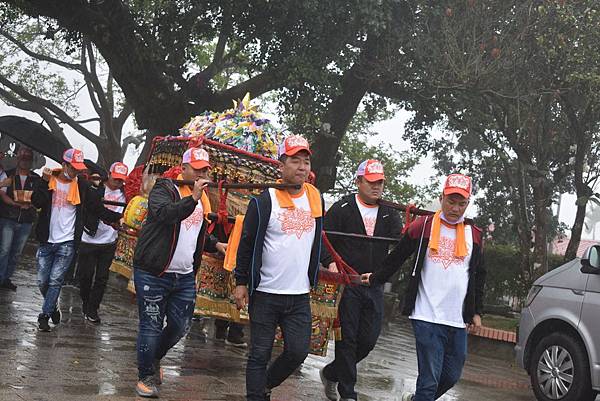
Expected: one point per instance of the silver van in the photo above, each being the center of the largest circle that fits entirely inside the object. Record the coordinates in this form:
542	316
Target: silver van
558	340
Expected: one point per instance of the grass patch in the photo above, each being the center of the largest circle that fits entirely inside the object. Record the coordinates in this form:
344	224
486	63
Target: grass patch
500	322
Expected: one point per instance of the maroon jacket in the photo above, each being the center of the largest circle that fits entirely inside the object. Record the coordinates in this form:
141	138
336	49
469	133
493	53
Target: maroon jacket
416	239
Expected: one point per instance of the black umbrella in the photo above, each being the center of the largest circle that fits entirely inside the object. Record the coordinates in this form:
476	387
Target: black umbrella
34	136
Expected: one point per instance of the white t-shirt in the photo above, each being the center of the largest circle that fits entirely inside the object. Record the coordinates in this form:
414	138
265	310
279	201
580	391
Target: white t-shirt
183	258
105	233
368	214
287	248
62	216
444	281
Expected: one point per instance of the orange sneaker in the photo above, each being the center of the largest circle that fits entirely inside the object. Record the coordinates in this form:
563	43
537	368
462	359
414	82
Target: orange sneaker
147	387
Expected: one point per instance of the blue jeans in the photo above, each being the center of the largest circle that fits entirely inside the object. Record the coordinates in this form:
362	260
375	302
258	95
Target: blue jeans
171	296
267	311
13	237
53	262
441	354
361	315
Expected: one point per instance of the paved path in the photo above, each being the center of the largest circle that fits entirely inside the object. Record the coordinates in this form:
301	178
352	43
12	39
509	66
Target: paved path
80	361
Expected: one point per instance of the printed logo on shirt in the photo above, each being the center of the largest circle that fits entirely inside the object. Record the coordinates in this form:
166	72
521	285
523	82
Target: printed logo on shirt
193	219
59	198
369	223
296	221
445	254
113	197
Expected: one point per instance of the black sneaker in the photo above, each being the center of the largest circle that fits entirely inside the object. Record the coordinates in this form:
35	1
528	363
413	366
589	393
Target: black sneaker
236	342
43	322
9	285
158	372
221	333
56	316
92	316
267	394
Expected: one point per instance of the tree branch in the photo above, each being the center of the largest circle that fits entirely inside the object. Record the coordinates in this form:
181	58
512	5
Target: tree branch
256	86
226	28
88	83
89	120
60	113
93	77
38	56
124	114
55	128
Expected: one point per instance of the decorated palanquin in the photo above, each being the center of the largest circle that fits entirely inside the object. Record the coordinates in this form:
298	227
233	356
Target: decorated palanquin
242	146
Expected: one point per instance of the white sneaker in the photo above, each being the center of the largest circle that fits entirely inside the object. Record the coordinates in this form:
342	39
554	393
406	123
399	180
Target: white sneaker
406	396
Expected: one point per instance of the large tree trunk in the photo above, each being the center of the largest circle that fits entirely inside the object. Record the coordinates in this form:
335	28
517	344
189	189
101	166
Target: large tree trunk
333	128
541	199
518	187
576	230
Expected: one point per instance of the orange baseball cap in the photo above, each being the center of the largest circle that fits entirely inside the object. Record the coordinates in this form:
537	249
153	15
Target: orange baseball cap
75	158
292	145
119	171
371	169
196	157
458	184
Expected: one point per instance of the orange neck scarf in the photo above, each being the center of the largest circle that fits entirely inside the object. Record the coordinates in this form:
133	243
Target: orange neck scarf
185	190
73	194
284	198
233	244
460	245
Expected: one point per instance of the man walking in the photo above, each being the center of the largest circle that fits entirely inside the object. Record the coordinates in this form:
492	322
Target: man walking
62	199
361	308
277	263
445	291
16	216
167	256
98	245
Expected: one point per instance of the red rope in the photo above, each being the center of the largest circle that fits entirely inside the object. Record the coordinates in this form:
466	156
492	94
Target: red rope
222	215
345	271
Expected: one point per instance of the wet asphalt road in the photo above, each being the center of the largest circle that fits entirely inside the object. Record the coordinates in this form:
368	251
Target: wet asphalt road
82	361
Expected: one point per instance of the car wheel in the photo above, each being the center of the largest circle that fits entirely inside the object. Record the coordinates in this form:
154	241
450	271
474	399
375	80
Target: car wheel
560	370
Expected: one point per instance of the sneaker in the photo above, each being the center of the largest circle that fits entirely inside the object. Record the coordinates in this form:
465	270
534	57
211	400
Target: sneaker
237	342
329	386
158	372
147	387
8	285
56	316
406	396
92	316
221	333
267	394
43	322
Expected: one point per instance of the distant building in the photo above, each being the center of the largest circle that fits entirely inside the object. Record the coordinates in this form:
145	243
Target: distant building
559	246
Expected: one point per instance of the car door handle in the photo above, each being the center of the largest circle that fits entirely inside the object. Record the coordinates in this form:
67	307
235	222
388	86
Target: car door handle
578	292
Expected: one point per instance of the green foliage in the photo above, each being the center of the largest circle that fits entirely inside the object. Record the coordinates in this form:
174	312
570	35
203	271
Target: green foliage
504	278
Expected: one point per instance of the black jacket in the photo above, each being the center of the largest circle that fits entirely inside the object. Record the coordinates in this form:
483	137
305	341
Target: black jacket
90	203
16	213
364	256
249	255
416	239
159	235
92	220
